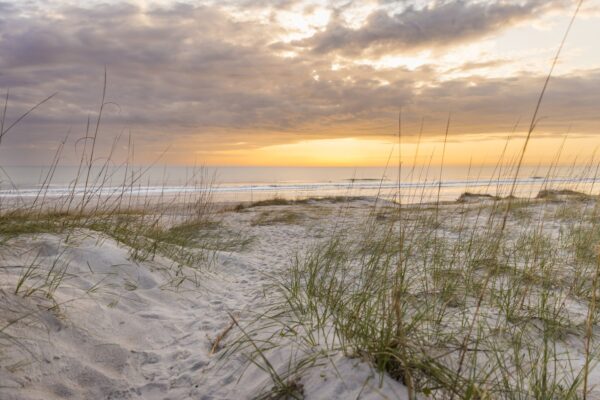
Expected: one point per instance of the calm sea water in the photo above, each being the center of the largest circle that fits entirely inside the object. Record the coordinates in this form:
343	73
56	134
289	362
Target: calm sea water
417	184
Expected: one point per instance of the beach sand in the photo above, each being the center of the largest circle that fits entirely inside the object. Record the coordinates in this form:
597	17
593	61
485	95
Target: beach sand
116	328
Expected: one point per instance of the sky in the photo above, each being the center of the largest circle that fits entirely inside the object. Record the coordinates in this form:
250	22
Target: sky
297	82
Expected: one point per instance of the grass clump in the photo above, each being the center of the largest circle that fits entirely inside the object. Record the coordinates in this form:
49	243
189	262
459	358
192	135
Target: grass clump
287	217
280	201
555	194
275	201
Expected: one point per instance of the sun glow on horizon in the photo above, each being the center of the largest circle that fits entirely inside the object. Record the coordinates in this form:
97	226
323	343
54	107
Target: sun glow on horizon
459	151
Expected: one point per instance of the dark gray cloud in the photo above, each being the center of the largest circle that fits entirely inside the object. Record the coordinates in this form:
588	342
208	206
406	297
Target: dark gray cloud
194	73
441	24
178	69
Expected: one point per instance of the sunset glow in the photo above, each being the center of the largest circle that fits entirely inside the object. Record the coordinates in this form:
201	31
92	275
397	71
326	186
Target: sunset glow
300	82
349	152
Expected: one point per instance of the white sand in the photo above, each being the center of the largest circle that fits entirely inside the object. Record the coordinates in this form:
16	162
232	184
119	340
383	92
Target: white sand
134	336
123	330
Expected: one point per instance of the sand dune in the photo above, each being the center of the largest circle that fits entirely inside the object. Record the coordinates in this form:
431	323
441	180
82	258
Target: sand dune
119	329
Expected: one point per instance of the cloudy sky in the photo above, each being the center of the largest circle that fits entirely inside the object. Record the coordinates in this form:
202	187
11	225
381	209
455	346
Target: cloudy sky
296	82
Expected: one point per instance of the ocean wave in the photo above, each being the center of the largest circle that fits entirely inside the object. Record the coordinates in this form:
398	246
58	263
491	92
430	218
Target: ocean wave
62	191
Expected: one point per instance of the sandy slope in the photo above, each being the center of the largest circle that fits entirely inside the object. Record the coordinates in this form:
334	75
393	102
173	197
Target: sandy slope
122	330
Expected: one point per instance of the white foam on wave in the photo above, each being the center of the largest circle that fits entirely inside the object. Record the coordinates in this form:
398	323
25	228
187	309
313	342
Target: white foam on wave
281	188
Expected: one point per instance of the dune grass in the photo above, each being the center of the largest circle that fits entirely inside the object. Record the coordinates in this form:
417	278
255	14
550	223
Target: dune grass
408	311
468	300
106	200
458	301
280	201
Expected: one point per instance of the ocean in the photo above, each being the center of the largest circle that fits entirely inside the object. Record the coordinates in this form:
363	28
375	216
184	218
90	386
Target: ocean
239	184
